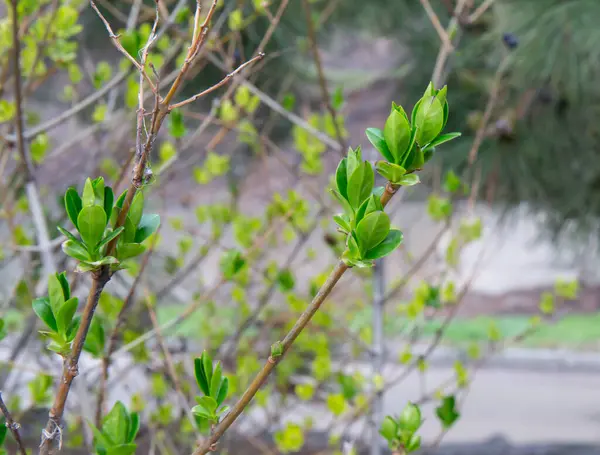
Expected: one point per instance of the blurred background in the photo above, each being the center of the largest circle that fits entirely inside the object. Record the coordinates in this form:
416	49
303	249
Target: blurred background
492	303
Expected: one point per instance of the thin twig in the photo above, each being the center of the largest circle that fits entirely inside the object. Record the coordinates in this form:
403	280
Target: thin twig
12	426
285	345
322	80
222	82
435	21
480	11
121	49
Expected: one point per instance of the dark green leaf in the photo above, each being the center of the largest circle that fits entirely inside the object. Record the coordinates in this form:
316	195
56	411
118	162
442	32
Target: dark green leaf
285	279
72	331
375	136
72	205
372	230
134	427
341	179
231	263
109	198
41	307
201	377
222	395
102	440
91	223
96	338
62	278
371	204
65	315
447	412
389	244
147	226
3	430
67	234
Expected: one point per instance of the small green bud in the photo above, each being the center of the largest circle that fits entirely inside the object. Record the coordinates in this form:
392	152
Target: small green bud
276	349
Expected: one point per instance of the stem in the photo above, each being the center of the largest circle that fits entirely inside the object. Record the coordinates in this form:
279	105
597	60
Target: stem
339	270
12	426
264	373
70	366
322	80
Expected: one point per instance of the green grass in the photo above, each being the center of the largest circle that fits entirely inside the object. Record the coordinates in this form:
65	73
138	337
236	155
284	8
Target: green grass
576	331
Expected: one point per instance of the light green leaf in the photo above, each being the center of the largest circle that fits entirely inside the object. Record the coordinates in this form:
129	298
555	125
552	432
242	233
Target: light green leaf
360	184
76	250
372	230
397	133
409	180
341	179
129	250
429	120
390	171
91	223
137	208
389	244
442	138
116	423
215	382
65	315
114	234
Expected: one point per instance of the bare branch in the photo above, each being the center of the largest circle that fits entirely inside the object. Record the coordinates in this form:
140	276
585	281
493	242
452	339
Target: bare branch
219	84
435	21
121	49
12	426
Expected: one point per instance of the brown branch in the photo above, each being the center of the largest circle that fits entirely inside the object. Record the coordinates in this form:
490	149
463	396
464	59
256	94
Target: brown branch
112	341
209	444
121	49
219	84
70	365
321	74
435	21
12	426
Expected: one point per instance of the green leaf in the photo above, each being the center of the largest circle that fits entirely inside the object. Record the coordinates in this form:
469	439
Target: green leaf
128	235
341	179
62	278
231	263
73	205
122	449
375	136
372	230
389	244
102	440
55	293
129	250
343	202
215	382
409	180
147	226
410	419
371	204
429	120
353	161
447	412
360	184
353	246
91	223
116	424
3	430
65	315
207	365
223	391
137	209
388	429
208	403
397	132
41	307
76	250
89	198
390	171
337	99
201	377
176	126
109	198
285	279
442	138
342	222
67	234
134	426
114	234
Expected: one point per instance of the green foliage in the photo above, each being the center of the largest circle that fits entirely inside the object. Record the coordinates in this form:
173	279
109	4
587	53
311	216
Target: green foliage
95	214
57	311
214	385
447	412
117	433
401	432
